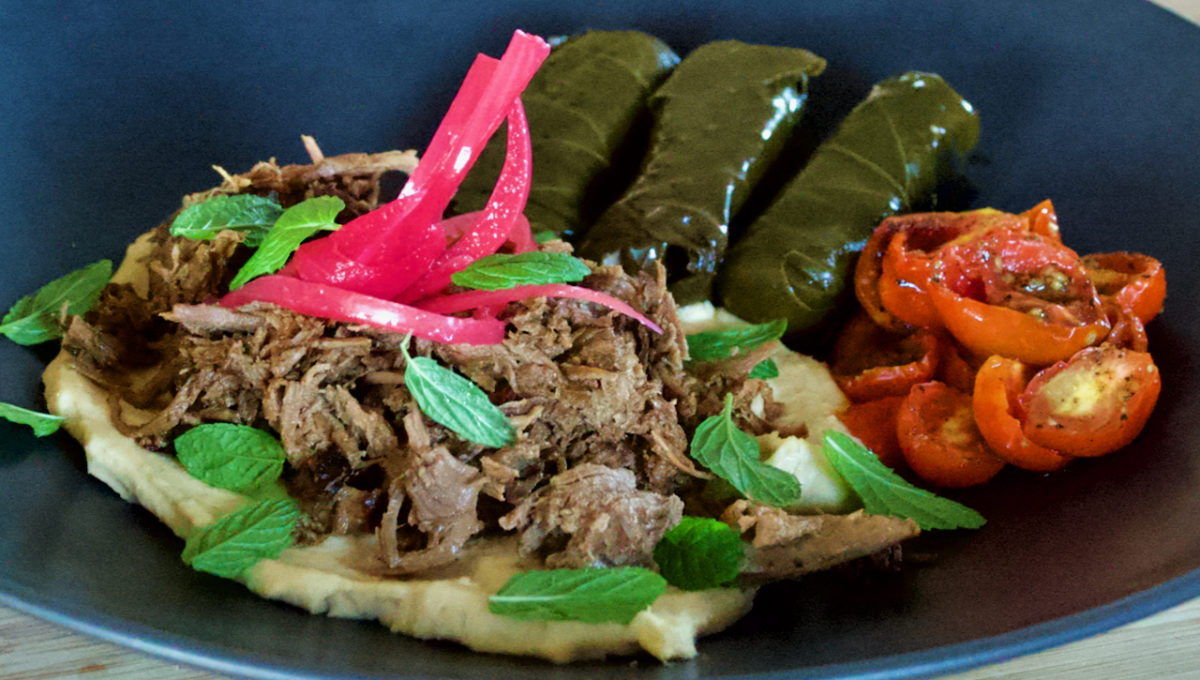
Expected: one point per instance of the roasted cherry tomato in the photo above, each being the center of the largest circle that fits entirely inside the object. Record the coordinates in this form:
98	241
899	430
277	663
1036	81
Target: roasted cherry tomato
1093	404
870	362
1128	331
940	441
1017	294
874	422
998	386
1136	282
956	367
893	270
1043	220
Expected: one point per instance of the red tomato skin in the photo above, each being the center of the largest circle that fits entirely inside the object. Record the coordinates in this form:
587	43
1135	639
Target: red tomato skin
939	439
874	422
864	354
1135	282
998	385
1093	404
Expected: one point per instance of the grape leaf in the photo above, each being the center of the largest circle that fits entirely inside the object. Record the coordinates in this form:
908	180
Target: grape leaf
35	318
699	553
229	456
884	492
591	594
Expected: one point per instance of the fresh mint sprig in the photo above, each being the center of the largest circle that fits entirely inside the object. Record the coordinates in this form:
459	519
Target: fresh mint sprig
733	456
237	541
591	595
699	553
722	344
42	423
229	456
35	318
296	224
246	213
883	492
765	370
455	402
502	271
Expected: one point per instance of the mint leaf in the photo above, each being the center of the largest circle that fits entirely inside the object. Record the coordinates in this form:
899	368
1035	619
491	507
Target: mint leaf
884	492
240	539
733	456
249	214
455	402
295	224
592	594
229	456
42	423
543	236
765	370
699	553
500	271
712	345
34	318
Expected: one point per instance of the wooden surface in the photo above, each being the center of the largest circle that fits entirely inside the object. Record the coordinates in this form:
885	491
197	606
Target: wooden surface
1164	647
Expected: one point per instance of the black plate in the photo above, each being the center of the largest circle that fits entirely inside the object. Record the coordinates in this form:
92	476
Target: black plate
113	112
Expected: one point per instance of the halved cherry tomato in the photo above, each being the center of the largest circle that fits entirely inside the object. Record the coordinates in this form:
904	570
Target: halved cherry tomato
957	367
939	438
1128	331
894	267
998	386
1043	220
1136	282
870	362
1017	294
1093	404
874	422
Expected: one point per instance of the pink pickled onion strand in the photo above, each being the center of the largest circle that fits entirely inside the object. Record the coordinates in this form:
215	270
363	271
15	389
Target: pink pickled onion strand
521	236
504	206
458	302
315	299
361	236
458	142
326	264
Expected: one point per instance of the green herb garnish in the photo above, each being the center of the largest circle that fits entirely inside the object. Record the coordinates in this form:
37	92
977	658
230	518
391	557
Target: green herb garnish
733	456
544	236
42	423
883	492
229	456
246	213
240	539
765	370
592	594
500	271
35	318
451	400
295	225
712	345
699	553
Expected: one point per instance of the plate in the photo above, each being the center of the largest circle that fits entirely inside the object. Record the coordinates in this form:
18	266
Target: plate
113	112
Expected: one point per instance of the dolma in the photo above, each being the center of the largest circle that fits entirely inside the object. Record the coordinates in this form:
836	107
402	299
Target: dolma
721	118
585	106
887	156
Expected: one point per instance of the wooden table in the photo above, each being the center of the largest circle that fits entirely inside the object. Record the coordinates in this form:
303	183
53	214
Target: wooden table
1164	647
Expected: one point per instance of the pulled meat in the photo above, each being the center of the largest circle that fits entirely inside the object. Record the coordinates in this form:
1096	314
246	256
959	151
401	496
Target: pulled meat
601	406
784	546
597	516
